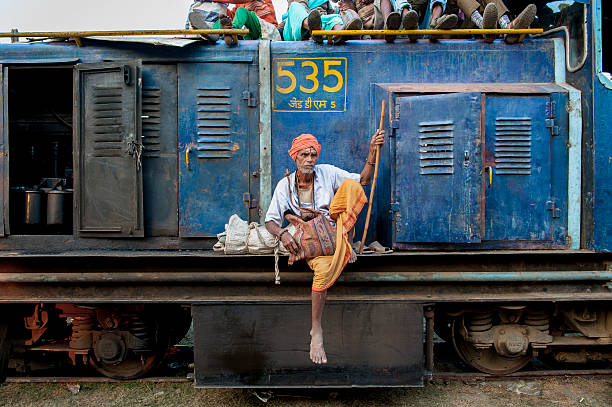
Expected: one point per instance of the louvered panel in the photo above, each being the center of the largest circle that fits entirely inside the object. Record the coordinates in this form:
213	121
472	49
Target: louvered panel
107	124
214	123
151	121
436	142
513	145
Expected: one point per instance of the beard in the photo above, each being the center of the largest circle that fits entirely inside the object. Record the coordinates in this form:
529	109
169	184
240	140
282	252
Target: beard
306	169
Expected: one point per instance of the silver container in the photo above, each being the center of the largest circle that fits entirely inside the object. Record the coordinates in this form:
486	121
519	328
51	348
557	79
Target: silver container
32	207
55	207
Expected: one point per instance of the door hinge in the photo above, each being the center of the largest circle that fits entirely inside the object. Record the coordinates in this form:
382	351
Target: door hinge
250	200
251	100
555	212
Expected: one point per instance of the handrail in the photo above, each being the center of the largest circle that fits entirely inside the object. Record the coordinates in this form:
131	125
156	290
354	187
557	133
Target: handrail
431	32
81	34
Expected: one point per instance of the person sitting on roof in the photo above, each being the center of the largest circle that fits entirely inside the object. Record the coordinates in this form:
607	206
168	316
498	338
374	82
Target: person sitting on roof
411	15
325	195
243	18
305	16
203	14
489	14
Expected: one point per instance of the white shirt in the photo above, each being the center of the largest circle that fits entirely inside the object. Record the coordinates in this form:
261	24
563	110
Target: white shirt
327	180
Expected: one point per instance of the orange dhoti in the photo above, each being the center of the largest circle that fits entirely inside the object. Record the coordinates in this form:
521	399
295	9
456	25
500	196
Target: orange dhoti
344	209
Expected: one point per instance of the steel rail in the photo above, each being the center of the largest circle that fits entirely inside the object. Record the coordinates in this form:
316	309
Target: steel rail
436	376
57	379
300	277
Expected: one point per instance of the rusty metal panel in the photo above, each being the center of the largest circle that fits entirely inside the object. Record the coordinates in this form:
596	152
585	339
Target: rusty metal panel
159	152
267	345
108	139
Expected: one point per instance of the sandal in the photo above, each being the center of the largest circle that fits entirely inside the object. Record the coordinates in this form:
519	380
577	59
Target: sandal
523	20
379	249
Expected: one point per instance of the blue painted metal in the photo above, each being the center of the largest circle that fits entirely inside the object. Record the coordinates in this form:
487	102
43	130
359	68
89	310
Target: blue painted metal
159	139
574	176
602	140
438	165
214	188
517	148
213	136
4	184
265	129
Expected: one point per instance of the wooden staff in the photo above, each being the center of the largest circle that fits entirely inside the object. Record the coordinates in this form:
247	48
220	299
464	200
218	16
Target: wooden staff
367	222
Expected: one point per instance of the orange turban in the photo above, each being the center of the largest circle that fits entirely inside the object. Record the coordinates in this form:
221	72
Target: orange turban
304	141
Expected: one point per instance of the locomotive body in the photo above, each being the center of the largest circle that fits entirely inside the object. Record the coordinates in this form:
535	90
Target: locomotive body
121	162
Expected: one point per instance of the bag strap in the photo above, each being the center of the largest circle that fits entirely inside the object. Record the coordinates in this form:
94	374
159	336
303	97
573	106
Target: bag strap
301	208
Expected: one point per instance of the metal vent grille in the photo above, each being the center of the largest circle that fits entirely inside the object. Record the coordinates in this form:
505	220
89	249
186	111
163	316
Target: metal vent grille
513	146
151	121
436	142
107	125
214	122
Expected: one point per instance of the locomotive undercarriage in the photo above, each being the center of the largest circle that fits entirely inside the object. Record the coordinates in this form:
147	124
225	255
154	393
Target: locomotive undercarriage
121	342
119	312
502	338
129	341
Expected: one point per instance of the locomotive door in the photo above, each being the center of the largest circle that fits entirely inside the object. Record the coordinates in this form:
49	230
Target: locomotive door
518	165
213	146
437	183
107	136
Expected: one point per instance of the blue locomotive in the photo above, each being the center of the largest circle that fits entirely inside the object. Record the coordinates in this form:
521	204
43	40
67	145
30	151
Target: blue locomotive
121	160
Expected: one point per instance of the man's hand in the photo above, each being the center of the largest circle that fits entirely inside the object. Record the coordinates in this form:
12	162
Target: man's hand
378	139
289	243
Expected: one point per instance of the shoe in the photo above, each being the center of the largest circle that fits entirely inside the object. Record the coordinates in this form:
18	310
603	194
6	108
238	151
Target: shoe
489	21
198	22
314	23
392	22
226	24
445	22
410	21
523	20
354	24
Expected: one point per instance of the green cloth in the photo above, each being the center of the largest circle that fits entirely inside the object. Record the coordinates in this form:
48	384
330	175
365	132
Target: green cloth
245	18
295	16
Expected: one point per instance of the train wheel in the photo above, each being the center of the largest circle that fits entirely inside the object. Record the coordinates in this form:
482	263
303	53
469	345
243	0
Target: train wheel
485	360
112	358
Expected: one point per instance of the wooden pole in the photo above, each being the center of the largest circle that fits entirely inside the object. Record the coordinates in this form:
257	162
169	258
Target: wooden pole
367	222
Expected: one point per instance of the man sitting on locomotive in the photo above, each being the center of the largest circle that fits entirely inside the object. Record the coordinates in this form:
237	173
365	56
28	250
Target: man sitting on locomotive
490	14
304	16
391	14
320	190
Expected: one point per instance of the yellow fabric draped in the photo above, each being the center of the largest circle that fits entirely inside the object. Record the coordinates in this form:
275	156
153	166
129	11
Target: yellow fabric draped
344	209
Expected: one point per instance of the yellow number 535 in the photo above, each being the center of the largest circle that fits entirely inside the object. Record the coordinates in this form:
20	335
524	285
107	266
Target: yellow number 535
282	70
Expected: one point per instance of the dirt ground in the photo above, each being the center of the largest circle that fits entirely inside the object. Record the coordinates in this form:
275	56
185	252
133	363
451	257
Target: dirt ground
567	391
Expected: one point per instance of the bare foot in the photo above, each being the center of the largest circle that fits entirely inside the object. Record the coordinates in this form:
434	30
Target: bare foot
317	352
